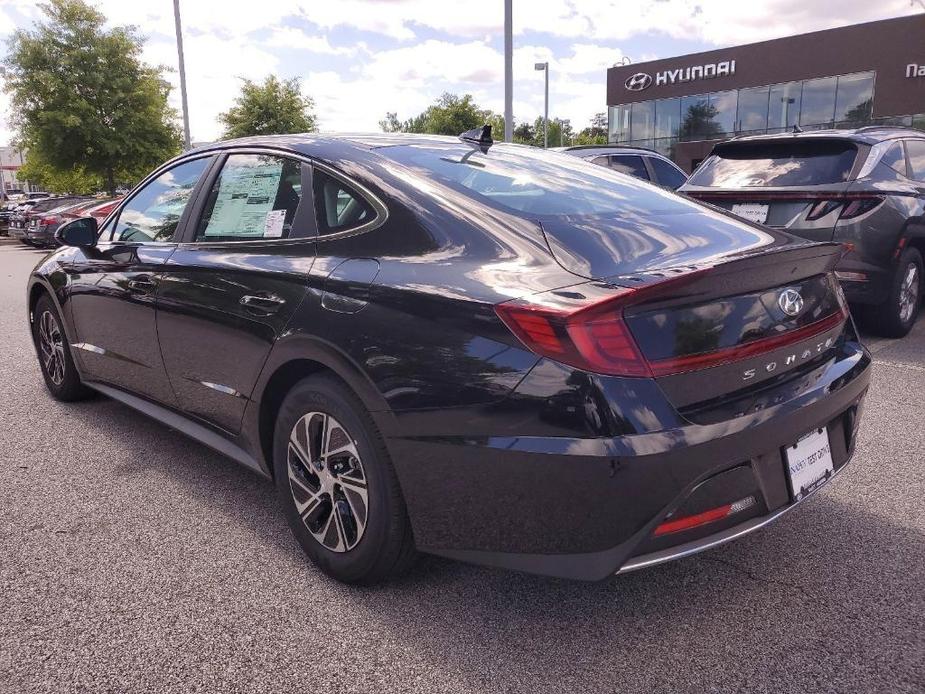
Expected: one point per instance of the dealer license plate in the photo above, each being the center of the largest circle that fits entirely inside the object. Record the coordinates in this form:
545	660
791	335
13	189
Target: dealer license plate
753	212
809	463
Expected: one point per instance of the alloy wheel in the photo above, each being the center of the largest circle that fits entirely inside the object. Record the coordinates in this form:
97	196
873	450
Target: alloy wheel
909	292
327	481
51	346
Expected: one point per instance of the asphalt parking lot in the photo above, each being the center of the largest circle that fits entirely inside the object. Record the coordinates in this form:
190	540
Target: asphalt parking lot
132	559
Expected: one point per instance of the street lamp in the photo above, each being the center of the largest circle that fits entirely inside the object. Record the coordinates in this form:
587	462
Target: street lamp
545	68
176	18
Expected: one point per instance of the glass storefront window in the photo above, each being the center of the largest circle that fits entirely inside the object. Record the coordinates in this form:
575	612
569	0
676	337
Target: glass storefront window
818	107
619	124
697	118
783	106
643	120
667	117
723	108
753	110
855	98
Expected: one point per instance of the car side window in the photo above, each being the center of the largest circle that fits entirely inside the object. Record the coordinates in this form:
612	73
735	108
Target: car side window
895	158
915	150
153	214
601	161
632	165
256	196
339	207
666	174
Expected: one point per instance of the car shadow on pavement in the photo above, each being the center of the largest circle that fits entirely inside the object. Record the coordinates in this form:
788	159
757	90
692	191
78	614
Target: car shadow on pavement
809	597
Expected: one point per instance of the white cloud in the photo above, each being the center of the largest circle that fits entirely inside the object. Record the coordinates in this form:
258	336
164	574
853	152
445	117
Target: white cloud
290	37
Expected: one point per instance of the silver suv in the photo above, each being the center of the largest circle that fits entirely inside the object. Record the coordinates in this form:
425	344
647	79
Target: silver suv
636	161
864	188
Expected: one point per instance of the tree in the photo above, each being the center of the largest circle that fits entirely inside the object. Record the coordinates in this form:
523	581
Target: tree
448	115
524	134
699	122
596	133
57	180
272	108
560	132
83	100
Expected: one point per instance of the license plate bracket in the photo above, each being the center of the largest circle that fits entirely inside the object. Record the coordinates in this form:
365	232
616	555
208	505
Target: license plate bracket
809	463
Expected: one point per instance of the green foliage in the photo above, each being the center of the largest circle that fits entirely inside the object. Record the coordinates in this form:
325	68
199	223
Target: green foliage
448	115
272	108
699	122
58	180
452	115
82	99
596	133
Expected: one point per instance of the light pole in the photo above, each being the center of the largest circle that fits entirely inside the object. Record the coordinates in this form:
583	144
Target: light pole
545	68
508	71
176	16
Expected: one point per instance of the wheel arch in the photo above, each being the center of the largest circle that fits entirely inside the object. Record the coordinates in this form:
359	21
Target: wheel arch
293	360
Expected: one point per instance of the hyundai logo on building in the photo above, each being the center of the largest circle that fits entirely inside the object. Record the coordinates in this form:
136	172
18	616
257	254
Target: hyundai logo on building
790	302
638	82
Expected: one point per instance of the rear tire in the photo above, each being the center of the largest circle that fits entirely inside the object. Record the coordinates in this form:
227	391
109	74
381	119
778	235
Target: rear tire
337	486
897	315
54	353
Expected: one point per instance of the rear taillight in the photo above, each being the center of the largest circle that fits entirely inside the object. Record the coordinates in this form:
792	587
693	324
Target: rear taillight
48	221
592	337
714	514
850	207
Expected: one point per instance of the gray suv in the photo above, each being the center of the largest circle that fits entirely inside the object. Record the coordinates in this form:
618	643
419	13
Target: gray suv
635	161
864	188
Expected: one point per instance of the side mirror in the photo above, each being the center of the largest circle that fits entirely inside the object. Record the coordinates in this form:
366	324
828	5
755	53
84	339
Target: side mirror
81	233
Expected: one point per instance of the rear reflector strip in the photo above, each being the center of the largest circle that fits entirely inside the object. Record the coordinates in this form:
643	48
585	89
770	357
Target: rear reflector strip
698	519
674	365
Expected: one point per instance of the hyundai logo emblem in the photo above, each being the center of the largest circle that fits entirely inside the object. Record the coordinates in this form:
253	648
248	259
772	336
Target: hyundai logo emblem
790	302
638	82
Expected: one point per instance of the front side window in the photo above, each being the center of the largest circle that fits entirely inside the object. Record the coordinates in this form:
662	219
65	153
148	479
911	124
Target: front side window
256	196
153	214
634	166
916	152
339	207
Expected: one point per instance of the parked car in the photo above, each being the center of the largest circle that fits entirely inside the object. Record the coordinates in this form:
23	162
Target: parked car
863	188
483	351
17	218
22	220
42	225
635	161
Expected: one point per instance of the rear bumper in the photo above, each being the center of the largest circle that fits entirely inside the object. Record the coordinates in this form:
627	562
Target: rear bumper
586	508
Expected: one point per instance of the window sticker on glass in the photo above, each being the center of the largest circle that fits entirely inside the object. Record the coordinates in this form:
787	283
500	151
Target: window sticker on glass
244	200
273	226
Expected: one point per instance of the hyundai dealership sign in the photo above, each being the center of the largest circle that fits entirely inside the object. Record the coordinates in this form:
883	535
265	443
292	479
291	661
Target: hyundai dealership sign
642	80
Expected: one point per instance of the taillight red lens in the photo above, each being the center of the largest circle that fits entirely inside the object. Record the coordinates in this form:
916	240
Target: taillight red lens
859	206
48	221
821	209
593	337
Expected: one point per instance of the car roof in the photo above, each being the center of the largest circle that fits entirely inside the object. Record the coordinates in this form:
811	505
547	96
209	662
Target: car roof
869	134
590	150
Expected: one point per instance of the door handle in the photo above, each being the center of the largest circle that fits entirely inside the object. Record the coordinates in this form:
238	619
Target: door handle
265	304
142	284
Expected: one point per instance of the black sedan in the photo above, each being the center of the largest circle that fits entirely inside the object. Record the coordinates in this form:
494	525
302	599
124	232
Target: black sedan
483	351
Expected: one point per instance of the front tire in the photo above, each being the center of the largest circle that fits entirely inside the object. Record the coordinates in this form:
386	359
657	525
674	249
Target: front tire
54	353
337	486
896	317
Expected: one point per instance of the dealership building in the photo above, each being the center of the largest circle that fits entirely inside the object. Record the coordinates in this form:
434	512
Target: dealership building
858	75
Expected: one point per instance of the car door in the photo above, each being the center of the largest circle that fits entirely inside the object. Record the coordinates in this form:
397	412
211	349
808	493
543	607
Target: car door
666	174
113	286
230	288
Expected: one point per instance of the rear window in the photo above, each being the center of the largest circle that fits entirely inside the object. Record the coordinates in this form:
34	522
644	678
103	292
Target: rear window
796	163
532	182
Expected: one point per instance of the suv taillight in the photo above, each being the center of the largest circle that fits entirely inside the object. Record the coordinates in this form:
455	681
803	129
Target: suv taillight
851	207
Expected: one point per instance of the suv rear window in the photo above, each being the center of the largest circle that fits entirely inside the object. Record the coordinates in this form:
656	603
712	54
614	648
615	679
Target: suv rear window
760	164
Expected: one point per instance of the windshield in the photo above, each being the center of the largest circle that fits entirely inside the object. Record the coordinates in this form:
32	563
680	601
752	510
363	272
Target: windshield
760	164
532	181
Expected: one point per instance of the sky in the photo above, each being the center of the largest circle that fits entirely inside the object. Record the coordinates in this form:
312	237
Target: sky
359	59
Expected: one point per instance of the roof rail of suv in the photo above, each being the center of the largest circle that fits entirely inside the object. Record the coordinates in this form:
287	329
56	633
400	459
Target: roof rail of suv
868	128
613	146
